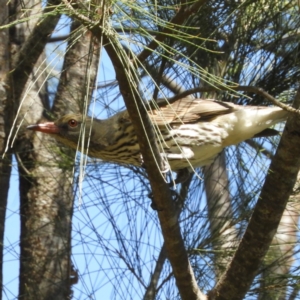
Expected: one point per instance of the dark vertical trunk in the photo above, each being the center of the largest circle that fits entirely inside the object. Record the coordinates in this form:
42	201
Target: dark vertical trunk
5	160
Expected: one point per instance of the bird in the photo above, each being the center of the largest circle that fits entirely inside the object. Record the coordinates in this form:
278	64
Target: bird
189	132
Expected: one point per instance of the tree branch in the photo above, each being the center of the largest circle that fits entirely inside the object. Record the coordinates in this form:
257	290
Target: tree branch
167	213
252	89
183	13
268	211
32	49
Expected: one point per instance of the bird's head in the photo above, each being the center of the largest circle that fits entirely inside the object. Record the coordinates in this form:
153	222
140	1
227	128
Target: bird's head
66	130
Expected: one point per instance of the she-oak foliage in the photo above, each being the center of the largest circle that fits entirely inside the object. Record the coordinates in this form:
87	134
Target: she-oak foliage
87	229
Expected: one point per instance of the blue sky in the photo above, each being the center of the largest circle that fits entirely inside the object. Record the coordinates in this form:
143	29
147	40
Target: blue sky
11	238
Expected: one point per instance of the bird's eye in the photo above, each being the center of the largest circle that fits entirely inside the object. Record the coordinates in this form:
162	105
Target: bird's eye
72	123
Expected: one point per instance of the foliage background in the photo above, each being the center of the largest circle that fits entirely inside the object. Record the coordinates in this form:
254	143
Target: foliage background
86	229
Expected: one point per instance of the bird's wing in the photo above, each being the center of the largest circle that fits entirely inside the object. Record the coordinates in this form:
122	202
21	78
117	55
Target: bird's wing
187	110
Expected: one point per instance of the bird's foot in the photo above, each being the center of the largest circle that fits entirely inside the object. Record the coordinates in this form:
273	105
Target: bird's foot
154	206
182	176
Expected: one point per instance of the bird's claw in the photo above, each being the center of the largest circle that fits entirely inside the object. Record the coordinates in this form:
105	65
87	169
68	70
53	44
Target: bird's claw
154	206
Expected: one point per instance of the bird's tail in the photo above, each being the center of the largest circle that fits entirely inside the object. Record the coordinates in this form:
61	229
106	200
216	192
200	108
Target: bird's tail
255	122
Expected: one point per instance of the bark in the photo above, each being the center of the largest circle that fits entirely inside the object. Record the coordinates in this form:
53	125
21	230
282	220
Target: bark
45	246
152	288
280	257
45	206
79	72
33	43
220	214
46	210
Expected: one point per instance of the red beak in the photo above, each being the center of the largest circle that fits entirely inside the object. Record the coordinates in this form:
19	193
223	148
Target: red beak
48	127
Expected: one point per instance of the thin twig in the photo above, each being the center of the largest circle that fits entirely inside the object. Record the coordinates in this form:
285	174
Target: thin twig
253	89
183	13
